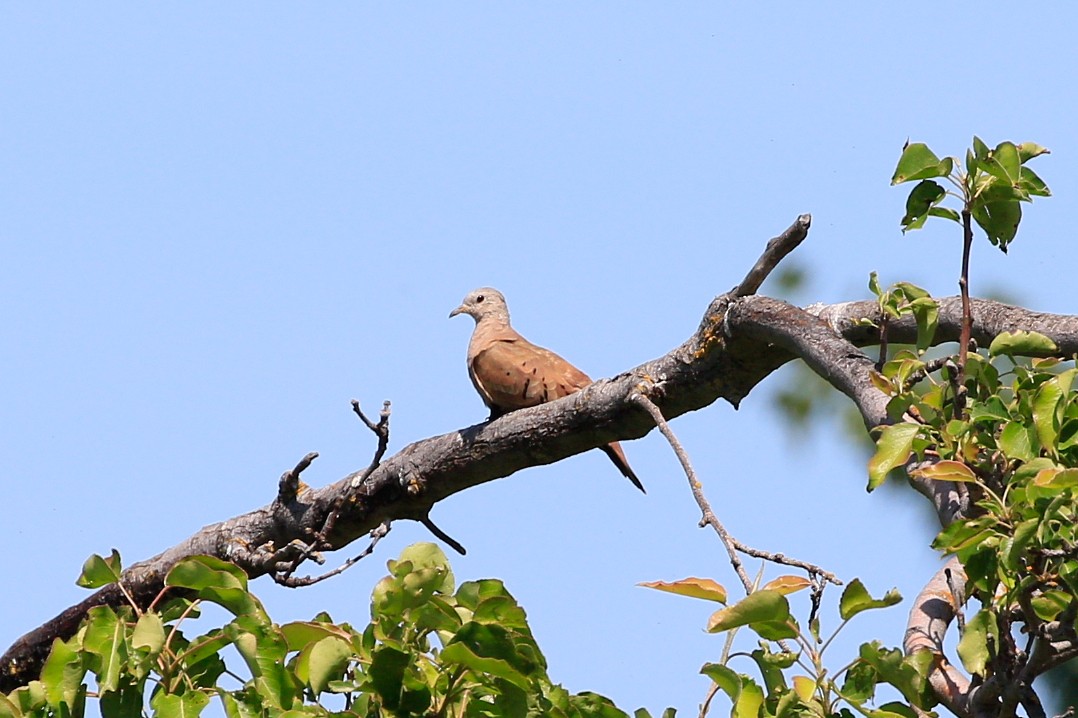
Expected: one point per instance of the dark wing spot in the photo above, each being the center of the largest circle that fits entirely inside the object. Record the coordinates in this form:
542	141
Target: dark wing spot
524	394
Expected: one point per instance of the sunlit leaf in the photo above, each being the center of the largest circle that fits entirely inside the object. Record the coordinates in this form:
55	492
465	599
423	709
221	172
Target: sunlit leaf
893	449
979	642
98	571
759	607
1029	150
693	587
1004	163
787	584
856	598
946	470
1022	343
926	195
919	162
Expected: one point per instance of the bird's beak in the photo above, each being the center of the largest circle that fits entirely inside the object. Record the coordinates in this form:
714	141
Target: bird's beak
455	312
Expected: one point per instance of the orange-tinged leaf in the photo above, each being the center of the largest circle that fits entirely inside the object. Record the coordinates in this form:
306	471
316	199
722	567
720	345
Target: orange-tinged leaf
787	584
946	470
692	587
1056	478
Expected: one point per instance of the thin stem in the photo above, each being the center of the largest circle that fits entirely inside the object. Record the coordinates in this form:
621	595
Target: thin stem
967	315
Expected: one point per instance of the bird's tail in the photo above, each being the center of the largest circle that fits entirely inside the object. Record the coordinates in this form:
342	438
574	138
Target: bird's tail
618	457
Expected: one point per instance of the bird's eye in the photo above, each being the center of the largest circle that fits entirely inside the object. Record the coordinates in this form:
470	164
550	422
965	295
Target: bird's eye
479	299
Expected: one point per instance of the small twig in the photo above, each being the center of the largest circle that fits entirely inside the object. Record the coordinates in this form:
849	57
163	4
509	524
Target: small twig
707	701
816	598
289	483
320	538
381	430
376	535
433	528
967	315
809	568
776	249
733	546
709	518
884	321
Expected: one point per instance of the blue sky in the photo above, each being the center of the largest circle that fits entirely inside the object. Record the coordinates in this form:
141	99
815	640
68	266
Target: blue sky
221	223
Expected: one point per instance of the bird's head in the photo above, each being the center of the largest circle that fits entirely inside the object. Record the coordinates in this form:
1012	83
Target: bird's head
481	303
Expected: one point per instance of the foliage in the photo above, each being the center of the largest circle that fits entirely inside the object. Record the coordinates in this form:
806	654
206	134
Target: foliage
430	649
991	187
1017	452
793	682
1002	425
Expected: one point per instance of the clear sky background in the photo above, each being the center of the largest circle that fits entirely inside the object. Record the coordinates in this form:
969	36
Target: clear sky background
220	223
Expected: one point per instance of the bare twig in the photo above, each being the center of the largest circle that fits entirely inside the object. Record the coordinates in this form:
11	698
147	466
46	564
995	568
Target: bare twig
733	546
377	534
967	315
320	540
776	249
433	528
709	518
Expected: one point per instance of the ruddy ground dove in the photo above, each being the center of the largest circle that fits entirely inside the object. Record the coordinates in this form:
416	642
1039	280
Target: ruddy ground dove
510	372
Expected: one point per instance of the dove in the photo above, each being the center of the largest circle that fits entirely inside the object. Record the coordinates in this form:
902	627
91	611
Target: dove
510	373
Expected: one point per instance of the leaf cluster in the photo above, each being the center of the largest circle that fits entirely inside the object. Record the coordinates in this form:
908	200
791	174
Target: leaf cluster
787	681
1016	454
991	186
430	649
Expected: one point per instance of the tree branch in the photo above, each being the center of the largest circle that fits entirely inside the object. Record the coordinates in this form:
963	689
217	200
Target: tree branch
738	343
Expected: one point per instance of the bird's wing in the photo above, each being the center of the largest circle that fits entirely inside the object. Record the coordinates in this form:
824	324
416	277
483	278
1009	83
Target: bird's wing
514	373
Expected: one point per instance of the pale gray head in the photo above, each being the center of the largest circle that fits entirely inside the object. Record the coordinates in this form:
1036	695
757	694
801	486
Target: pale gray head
482	303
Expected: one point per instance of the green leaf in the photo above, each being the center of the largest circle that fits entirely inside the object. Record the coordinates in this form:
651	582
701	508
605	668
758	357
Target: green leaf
749	702
945	213
999	220
485	640
906	673
98	571
1029	150
1004	163
927	312
919	162
462	655
387	673
198	572
323	661
426	555
62	673
106	640
856	598
1022	343
979	642
1045	417
725	678
1032	184
926	195
149	633
1018	441
759	607
893	449
874	284
299	634
183	705
692	587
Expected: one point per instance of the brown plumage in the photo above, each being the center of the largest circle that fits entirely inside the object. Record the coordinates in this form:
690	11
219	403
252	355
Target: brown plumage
509	372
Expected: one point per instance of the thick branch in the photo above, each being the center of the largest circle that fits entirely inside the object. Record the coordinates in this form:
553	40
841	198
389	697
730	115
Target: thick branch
932	613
